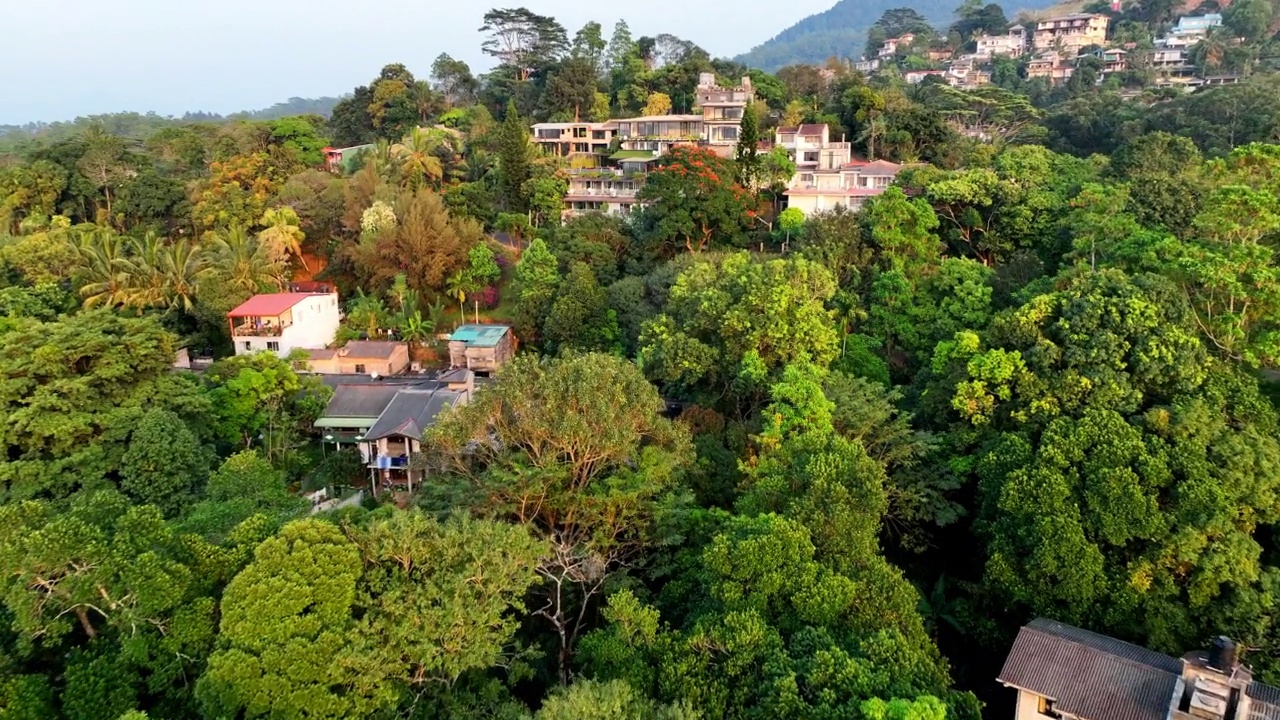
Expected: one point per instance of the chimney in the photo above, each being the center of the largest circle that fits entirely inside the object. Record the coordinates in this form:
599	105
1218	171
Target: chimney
1214	684
463	381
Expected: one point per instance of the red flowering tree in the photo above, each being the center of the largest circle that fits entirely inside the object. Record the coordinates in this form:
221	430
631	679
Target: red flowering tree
694	200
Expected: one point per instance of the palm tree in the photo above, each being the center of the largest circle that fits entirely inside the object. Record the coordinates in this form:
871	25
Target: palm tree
183	265
143	272
101	252
1209	53
247	264
458	285
416	159
282	234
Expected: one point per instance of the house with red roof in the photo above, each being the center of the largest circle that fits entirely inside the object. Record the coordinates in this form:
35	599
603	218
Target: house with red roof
284	322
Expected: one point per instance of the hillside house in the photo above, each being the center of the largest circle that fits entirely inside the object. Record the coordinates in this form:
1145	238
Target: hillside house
1070	33
361	357
1011	44
890	46
849	185
1050	65
811	148
582	143
1060	671
284	322
481	348
386	422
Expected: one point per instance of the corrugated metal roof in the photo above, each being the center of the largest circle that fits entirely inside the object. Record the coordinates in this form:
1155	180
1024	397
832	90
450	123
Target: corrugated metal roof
1090	675
480	335
269	304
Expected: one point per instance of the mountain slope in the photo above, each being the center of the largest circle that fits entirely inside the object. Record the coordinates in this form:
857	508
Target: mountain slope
842	30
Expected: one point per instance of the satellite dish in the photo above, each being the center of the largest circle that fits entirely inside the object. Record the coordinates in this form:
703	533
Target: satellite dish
374	375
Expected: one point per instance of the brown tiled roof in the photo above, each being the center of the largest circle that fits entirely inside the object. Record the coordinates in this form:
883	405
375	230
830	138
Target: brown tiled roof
369	349
1091	676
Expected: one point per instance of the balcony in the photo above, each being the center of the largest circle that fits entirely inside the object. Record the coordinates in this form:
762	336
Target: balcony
389	462
259	329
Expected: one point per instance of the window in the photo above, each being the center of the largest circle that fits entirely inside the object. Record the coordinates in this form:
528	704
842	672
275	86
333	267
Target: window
811	156
729	133
248	345
273	346
360	368
1045	707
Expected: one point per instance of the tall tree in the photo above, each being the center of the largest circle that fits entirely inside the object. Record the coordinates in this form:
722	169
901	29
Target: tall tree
523	41
747	153
514	153
576	450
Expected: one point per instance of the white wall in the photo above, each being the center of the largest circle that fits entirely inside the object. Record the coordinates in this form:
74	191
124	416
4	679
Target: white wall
315	324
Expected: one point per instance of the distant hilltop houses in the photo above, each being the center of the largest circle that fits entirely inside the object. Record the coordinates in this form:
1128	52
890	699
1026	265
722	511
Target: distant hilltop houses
1052	48
609	161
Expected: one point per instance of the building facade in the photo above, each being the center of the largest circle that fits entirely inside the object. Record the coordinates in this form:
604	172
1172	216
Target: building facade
284	322
811	147
1011	44
1069	33
1052	66
481	348
361	357
849	186
641	141
581	142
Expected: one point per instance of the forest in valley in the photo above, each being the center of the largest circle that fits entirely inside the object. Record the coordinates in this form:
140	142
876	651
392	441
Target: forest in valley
747	463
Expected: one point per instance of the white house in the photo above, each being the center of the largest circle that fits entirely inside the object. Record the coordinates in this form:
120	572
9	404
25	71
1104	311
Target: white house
283	322
849	186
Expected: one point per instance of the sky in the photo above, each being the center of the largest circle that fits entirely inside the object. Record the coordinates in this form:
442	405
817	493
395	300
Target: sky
65	58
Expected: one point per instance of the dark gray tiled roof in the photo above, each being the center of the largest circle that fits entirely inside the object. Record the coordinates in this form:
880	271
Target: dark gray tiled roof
360	400
1090	675
411	411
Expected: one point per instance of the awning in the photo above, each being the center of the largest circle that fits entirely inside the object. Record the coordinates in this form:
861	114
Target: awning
362	423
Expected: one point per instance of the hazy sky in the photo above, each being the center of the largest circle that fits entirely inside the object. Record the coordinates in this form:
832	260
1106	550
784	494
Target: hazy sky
64	58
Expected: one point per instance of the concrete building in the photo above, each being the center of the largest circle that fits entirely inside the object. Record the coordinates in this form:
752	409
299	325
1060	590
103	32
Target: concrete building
811	147
583	143
849	185
891	46
1060	671
722	108
1052	66
1012	44
1113	59
1190	30
361	357
642	140
284	322
482	348
1069	33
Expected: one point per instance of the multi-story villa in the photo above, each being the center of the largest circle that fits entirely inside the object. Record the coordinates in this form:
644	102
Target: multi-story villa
1069	33
1012	44
811	148
1190	30
642	140
849	185
581	142
1050	65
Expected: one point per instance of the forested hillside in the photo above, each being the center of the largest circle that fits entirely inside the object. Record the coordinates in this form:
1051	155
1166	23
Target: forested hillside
141	125
841	31
746	462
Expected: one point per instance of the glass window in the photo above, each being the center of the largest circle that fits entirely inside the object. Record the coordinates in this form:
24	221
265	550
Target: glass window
273	346
248	345
359	368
